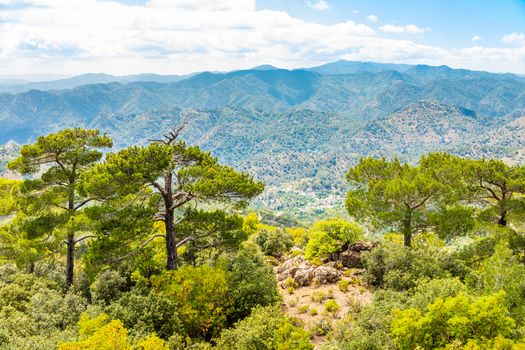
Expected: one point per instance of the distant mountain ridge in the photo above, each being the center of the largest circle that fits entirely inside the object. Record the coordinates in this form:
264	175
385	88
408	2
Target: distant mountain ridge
297	130
359	97
20	86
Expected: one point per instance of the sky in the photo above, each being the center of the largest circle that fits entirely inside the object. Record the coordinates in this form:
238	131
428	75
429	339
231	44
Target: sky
40	39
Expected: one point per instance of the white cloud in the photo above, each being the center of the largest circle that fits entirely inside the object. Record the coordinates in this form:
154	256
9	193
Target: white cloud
372	18
320	5
409	28
182	36
476	38
514	37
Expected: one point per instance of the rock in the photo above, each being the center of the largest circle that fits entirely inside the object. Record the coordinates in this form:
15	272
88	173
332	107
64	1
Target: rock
304	277
292	264
360	246
303	272
352	256
333	264
326	274
291	267
351	259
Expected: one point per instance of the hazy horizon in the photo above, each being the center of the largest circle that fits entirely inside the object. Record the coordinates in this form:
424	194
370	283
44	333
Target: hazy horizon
50	39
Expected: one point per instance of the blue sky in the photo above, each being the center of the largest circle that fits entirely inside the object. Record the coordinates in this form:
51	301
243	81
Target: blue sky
42	38
453	22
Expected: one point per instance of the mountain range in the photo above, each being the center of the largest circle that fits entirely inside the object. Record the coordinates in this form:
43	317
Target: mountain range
297	130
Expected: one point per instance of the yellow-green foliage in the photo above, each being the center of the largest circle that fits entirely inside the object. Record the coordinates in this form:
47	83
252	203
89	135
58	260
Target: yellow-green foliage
303	309
344	285
290	282
8	190
152	343
99	333
461	318
265	328
201	294
298	234
272	240
251	222
332	307
296	253
96	334
328	236
313	311
318	297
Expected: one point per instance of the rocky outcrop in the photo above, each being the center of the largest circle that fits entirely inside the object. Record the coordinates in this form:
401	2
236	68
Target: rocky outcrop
325	274
304	273
351	256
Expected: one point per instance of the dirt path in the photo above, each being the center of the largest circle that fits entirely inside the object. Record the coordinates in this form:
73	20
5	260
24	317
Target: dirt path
312	304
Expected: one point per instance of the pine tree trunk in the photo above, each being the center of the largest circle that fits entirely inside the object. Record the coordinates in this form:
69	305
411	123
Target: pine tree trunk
171	240
407	229
502	219
70	259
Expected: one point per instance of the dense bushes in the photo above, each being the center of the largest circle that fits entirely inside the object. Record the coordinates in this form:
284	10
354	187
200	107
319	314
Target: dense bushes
251	282
265	328
147	313
329	236
457	320
34	311
397	267
273	241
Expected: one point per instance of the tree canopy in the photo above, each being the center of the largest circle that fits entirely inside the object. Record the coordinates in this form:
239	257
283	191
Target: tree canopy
173	177
61	158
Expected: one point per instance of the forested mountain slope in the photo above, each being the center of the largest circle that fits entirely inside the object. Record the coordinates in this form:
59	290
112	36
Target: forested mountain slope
302	155
358	96
297	130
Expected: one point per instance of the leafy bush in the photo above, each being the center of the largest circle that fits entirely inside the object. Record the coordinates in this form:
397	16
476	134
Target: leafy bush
108	286
251	282
101	333
322	327
265	328
201	297
397	267
460	318
331	307
343	285
146	314
329	236
273	241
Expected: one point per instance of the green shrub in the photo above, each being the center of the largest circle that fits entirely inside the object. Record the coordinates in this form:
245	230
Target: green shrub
322	327
107	287
343	285
251	282
265	328
273	241
331	307
318	297
395	266
461	318
201	296
303	309
329	236
146	314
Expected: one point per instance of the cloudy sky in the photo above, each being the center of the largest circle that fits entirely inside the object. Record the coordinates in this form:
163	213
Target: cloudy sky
44	38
